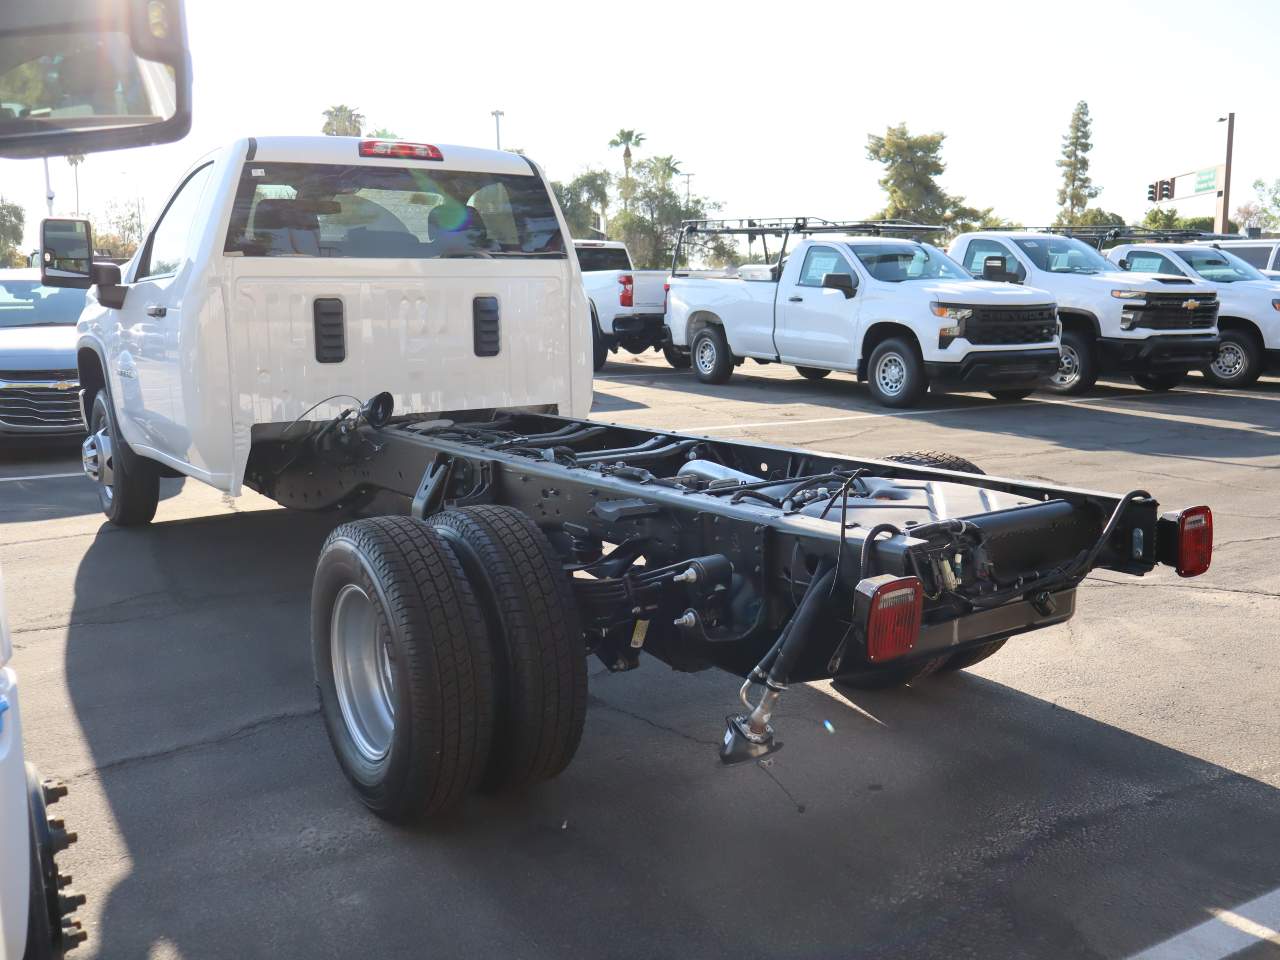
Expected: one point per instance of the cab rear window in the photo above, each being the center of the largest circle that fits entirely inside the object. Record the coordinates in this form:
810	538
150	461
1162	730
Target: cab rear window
335	210
603	258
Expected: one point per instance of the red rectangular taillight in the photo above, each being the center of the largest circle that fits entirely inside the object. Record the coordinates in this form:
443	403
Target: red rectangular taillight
891	608
627	295
399	149
1195	541
666	296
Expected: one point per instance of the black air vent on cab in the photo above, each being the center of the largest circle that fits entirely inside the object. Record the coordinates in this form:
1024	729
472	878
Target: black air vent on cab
484	314
331	330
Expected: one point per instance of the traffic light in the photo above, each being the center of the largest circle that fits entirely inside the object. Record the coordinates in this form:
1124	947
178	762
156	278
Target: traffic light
1153	192
1166	189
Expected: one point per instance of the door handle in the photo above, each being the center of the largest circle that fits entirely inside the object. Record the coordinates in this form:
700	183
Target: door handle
156	311
795	299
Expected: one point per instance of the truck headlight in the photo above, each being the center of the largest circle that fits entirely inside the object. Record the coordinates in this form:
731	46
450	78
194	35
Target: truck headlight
948	312
1275	304
1128	294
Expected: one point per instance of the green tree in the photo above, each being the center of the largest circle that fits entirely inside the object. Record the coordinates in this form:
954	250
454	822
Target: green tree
342	121
1097	217
911	166
651	226
1161	219
1077	187
75	159
382	133
626	139
13	222
1264	211
118	232
584	201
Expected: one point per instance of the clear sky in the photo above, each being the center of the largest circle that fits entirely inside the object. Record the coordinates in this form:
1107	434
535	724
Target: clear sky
767	104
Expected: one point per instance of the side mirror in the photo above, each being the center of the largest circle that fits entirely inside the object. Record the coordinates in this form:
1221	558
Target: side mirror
66	258
839	281
1124	263
993	269
81	76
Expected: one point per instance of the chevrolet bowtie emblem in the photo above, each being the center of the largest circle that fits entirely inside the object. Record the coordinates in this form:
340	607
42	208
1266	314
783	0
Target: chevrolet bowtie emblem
62	385
1191	305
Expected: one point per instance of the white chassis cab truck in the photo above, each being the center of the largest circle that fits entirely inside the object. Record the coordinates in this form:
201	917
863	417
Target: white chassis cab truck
897	312
324	318
36	905
626	304
1248	303
1154	328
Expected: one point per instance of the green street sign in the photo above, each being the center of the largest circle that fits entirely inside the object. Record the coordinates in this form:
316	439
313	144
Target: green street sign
1206	180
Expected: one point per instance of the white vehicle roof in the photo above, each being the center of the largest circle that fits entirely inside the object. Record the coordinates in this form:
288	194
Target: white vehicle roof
346	150
1246	242
863	238
605	244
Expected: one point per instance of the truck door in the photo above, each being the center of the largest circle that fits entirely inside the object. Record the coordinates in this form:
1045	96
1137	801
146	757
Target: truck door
816	325
145	343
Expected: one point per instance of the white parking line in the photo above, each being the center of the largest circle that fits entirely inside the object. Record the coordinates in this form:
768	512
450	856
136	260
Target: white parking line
43	476
1229	932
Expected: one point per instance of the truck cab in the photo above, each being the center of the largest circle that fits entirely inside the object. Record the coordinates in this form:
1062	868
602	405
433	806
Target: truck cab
1248	303
1152	327
897	312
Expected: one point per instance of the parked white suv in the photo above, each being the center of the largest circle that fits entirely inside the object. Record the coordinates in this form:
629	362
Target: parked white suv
1248	303
898	313
1261	254
1154	328
626	303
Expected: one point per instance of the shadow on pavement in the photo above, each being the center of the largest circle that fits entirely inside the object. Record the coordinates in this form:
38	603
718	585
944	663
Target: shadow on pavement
960	818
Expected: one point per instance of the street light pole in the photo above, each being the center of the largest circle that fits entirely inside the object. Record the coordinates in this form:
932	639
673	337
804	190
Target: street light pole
687	178
48	187
497	126
1222	224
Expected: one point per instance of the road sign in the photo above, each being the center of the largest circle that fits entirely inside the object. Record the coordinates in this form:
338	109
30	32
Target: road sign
1207	180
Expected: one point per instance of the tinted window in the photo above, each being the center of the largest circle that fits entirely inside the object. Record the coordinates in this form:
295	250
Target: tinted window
818	262
1219	266
25	303
1148	261
978	251
334	210
1064	255
603	258
1254	256
169	243
898	262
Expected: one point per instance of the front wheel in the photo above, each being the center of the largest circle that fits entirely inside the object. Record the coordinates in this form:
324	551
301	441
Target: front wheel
895	374
128	485
679	359
712	361
1238	362
1077	370
1159	382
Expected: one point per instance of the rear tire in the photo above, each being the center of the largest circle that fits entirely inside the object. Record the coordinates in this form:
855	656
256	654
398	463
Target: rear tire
889	676
933	458
812	373
1238	362
128	484
679	359
1008	395
403	666
895	373
540	663
1159	382
967	658
1078	369
599	349
712	360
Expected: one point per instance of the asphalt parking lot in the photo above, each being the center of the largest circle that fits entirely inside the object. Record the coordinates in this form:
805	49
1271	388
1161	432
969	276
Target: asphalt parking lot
1091	791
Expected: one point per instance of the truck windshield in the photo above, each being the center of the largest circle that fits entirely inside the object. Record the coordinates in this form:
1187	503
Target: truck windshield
1063	255
25	303
1218	265
334	210
603	258
898	262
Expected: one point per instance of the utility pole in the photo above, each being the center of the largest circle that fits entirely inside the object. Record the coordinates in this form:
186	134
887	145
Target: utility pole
497	126
48	187
1222	221
687	178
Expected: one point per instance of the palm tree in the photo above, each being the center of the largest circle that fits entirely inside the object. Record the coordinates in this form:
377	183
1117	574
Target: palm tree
666	168
342	121
75	159
626	139
595	185
382	133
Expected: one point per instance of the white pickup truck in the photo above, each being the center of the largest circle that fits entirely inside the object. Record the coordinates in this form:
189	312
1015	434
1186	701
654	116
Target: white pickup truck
1154	328
1248	303
288	279
626	304
897	312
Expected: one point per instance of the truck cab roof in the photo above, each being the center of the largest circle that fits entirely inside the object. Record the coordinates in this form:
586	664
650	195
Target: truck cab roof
346	150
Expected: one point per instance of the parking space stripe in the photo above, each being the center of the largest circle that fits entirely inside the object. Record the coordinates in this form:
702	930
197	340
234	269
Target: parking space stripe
43	476
1229	932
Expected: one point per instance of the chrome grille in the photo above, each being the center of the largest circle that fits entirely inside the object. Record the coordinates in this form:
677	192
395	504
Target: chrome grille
1011	325
39	399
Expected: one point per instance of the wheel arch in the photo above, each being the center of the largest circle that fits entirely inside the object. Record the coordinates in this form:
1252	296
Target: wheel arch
878	333
1244	325
1076	319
